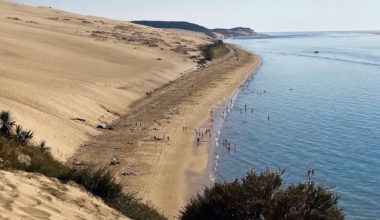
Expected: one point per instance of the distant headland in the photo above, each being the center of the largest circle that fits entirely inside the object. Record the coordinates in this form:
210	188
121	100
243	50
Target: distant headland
217	33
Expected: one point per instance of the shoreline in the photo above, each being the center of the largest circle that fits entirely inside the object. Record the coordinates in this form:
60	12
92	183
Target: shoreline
165	172
208	176
218	126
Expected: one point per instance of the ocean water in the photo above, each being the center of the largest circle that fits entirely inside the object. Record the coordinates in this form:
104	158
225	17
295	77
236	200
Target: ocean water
324	113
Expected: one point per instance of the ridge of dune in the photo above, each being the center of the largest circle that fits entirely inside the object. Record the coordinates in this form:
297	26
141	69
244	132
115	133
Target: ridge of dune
64	74
33	196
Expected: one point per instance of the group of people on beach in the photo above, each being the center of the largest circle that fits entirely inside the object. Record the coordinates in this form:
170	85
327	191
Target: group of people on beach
200	135
164	137
228	108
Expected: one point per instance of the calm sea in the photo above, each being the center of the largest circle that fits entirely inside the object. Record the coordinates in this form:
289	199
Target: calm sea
324	113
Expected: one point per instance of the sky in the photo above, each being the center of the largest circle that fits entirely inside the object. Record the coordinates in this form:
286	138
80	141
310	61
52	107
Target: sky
260	15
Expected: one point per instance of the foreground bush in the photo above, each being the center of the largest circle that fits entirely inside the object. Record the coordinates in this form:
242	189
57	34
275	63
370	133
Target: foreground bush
263	196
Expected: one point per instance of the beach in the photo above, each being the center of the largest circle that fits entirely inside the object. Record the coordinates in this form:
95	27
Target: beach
107	93
189	110
163	162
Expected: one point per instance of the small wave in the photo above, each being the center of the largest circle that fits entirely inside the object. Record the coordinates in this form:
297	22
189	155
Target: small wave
326	58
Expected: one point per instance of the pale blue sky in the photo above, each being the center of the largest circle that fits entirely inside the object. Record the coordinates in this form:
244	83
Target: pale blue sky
261	15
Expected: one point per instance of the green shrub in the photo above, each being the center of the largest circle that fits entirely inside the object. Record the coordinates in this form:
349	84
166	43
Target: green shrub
207	52
214	51
263	196
6	123
23	136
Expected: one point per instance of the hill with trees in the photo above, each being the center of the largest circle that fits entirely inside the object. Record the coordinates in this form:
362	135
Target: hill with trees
213	33
178	25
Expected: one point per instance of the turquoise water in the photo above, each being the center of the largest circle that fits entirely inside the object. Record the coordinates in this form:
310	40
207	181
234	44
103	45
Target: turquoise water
324	111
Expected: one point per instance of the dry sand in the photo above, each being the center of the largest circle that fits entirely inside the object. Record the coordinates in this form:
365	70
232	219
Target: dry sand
57	66
33	196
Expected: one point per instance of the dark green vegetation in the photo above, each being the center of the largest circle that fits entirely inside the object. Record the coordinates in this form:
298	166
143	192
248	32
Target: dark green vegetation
177	25
263	196
213	51
226	33
98	182
6	124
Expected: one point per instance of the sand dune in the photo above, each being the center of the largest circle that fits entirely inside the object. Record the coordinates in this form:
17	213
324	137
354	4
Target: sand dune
33	196
56	67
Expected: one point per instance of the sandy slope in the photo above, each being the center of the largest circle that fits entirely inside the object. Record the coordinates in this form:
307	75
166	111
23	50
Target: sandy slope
56	66
32	196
